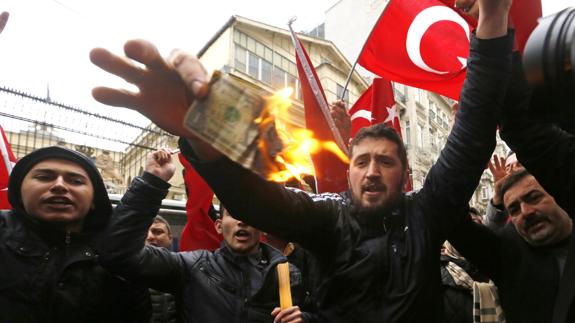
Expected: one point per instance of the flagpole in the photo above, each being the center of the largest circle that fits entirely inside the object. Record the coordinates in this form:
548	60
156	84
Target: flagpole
348	80
313	83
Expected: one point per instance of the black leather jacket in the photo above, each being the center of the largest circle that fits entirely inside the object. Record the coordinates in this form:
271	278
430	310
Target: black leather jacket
54	277
209	286
49	275
386	268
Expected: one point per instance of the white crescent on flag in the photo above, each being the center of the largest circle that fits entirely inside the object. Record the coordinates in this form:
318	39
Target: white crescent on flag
419	27
366	114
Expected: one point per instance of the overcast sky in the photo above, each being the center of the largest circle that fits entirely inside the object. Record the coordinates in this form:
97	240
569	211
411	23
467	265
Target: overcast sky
48	41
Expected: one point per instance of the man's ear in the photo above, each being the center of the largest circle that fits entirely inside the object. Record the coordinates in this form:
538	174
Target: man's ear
348	182
218	226
405	177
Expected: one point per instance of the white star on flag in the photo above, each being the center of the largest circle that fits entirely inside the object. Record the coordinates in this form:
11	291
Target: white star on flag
391	114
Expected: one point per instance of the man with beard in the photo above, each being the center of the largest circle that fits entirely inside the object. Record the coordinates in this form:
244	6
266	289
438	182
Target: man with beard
378	254
238	280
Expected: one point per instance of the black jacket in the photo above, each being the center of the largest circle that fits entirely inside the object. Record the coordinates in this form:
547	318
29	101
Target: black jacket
208	286
48	275
372	272
548	153
527	277
164	308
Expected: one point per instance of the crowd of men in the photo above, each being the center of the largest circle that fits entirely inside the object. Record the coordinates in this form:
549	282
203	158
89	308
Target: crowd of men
372	254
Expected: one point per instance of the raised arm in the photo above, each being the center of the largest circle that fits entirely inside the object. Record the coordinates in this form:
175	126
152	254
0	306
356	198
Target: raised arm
167	87
543	149
3	20
454	177
123	251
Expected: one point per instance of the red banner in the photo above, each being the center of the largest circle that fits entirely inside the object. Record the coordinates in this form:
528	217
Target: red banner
330	171
199	231
8	161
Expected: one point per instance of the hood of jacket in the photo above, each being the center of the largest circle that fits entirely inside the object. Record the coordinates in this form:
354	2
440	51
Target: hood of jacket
97	217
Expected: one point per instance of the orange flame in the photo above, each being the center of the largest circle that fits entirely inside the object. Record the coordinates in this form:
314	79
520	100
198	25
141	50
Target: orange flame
298	144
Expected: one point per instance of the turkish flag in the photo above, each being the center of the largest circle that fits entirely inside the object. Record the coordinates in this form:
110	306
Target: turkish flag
8	161
377	105
330	171
361	112
199	231
524	15
421	43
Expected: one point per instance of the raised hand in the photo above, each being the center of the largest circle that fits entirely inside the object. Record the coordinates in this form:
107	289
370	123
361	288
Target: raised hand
3	20
160	163
470	7
341	119
167	87
497	168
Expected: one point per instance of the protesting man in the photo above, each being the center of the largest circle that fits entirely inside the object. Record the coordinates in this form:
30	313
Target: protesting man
237	280
524	260
48	245
160	233
378	256
163	304
547	152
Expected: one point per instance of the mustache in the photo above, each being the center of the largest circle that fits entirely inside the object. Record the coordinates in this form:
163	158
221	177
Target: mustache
533	220
373	185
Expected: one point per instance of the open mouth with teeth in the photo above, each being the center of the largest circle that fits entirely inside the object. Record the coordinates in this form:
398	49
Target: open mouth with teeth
58	202
373	188
242	235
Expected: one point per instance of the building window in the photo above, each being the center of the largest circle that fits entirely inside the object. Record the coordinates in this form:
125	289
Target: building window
432	138
419	136
262	63
484	192
407	133
266	74
292	83
278	78
253	65
240	59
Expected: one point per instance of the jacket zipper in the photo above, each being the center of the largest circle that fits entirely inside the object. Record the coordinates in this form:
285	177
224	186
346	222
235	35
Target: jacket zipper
68	237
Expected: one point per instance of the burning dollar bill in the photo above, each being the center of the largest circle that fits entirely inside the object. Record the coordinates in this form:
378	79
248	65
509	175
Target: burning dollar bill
247	127
230	119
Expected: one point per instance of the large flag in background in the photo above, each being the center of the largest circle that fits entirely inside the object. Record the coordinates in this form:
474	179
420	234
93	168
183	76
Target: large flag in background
420	43
330	171
8	161
377	105
524	15
199	231
425	43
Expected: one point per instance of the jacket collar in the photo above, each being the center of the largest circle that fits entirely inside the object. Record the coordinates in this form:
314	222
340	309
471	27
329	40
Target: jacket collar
267	255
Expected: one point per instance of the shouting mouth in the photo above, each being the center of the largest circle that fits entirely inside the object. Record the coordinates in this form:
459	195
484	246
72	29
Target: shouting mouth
58	202
373	189
242	235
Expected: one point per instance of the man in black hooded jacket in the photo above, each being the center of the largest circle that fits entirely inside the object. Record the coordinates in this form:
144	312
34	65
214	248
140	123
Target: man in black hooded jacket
49	269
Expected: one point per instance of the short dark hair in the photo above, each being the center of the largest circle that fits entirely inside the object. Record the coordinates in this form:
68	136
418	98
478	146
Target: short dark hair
512	179
161	219
381	131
